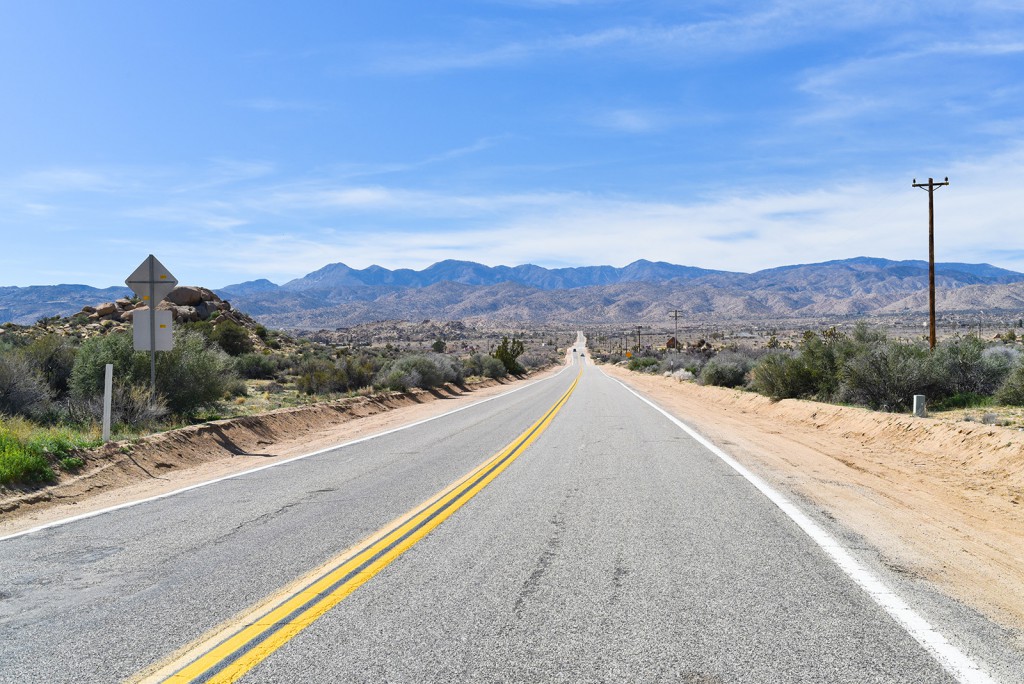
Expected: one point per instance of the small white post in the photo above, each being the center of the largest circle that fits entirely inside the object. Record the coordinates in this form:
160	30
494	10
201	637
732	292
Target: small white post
108	388
919	408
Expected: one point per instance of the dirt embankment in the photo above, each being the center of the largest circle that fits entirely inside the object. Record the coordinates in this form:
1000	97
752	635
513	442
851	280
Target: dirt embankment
940	498
128	471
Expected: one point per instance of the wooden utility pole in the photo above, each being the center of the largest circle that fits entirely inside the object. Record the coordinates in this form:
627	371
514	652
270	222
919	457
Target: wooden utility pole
638	329
931	186
675	317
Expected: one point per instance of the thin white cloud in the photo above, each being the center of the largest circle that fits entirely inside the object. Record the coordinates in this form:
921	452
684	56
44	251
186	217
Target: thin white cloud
632	120
751	28
216	236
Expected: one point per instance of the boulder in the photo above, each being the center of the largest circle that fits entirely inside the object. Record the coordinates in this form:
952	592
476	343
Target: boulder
124	304
127	316
106	309
185	295
88	309
203	310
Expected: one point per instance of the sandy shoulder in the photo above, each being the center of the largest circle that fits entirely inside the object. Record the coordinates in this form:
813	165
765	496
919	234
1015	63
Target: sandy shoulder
941	499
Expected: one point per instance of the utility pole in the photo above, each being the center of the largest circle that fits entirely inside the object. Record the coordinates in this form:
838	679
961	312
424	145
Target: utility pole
931	186
675	317
638	329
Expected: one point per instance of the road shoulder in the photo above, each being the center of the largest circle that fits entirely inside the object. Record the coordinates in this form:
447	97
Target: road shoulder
940	501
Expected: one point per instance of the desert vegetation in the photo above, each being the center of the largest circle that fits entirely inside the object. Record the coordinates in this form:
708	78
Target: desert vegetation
51	381
860	367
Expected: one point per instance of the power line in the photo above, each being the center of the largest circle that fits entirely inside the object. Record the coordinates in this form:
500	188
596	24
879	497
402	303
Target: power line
931	186
675	314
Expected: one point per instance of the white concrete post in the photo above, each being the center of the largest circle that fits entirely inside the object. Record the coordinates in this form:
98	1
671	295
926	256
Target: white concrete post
108	390
919	408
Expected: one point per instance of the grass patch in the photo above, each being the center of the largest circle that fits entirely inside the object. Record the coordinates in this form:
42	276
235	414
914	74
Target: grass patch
28	452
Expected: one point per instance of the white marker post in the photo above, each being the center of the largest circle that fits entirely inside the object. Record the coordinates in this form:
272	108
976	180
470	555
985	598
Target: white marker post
108	390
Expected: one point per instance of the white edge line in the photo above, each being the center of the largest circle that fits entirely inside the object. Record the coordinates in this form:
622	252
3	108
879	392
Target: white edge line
951	658
102	511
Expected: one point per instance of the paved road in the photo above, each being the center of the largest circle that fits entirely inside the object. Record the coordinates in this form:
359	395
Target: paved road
615	548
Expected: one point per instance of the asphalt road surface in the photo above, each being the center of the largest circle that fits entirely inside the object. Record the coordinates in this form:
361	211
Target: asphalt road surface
613	548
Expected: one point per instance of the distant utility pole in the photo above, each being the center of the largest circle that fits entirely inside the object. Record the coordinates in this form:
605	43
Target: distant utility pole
638	329
931	186
675	317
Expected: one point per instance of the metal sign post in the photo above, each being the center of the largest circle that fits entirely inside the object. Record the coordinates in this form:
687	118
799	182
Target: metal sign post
151	281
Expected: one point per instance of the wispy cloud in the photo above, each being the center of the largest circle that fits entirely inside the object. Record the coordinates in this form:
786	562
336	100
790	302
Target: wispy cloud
632	120
750	28
266	229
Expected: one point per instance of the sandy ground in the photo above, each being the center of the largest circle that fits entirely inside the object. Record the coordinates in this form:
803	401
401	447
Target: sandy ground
941	499
162	463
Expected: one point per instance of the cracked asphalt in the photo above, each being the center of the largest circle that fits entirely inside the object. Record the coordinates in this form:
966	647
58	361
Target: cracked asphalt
614	549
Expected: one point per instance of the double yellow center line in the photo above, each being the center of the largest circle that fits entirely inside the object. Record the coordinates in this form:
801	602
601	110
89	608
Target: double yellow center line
231	651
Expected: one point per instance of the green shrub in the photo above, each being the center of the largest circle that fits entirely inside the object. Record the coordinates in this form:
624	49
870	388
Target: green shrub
256	366
484	365
1012	390
410	371
232	338
643	364
71	463
888	376
726	370
191	376
508	351
317	375
966	366
781	376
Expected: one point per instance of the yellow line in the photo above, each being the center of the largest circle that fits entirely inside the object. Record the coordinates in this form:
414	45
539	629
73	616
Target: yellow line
243	642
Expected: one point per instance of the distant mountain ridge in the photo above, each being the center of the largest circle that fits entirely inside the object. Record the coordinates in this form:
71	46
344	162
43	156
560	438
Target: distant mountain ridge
338	275
339	296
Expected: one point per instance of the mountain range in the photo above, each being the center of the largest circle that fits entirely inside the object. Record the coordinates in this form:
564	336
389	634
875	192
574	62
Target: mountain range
644	291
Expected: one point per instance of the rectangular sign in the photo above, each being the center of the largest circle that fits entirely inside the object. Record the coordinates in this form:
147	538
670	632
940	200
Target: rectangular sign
140	330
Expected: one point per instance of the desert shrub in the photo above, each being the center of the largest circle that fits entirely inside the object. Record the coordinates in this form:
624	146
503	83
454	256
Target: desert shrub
534	360
484	365
54	357
130	367
192	375
23	391
1011	392
360	369
317	375
728	369
782	376
888	376
643	364
232	338
413	371
256	366
962	367
130	406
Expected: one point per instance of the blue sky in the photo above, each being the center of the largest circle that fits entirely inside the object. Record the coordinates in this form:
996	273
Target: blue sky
246	139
